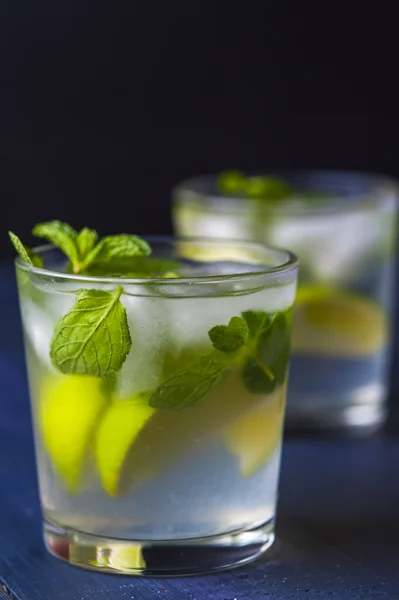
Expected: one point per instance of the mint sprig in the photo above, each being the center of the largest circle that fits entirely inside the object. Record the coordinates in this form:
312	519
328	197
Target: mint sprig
191	384
27	254
263	187
266	364
62	235
85	241
247	342
138	266
267	188
83	248
231	337
93	338
232	182
115	247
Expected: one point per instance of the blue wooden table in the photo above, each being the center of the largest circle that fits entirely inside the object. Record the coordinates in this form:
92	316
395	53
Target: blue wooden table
337	532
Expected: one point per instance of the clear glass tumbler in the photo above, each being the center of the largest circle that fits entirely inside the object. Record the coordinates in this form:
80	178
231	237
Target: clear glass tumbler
342	226
172	466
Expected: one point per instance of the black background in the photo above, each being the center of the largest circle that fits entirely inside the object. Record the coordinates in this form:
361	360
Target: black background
104	106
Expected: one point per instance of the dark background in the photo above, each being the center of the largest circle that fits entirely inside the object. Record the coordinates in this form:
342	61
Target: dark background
104	106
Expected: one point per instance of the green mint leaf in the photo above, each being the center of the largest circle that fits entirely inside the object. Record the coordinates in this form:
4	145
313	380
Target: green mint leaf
256	379
273	341
192	384
37	260
267	366
231	182
93	338
117	246
231	337
257	321
135	267
27	254
267	188
61	235
85	241
22	250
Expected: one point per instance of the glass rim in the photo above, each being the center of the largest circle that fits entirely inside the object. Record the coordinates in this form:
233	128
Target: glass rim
379	188
290	263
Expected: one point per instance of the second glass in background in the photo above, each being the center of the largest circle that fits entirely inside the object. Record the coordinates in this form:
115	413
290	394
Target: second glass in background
342	225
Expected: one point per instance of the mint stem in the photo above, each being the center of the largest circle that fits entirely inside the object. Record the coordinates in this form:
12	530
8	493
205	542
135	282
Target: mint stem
267	371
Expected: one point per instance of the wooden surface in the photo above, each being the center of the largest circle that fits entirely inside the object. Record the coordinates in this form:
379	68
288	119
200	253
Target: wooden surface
338	523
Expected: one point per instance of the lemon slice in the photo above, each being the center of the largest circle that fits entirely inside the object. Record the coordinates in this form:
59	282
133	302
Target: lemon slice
254	437
69	410
214	251
127	558
134	442
122	557
335	323
115	435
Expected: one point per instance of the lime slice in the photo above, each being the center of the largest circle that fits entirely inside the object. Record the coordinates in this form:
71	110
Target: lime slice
256	434
332	322
125	558
214	253
122	557
135	443
69	410
115	435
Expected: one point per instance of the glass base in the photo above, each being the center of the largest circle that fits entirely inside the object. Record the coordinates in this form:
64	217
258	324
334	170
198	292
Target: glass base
163	558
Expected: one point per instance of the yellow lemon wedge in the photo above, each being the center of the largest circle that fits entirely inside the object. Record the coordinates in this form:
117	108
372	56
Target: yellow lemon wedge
122	557
115	435
332	322
127	558
256	434
134	442
69	410
214	251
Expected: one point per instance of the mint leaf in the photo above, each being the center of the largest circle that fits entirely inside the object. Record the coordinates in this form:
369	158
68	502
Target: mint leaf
256	379
117	246
273	341
61	235
135	267
231	182
93	337
256	320
27	254
37	260
267	188
85	241
231	337
263	187
192	384
20	248
246	342
267	365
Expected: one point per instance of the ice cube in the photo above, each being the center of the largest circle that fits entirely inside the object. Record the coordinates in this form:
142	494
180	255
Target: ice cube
329	246
191	318
149	332
201	222
39	319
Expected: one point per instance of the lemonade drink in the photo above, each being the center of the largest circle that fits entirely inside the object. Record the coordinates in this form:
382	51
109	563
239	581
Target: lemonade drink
166	461
343	228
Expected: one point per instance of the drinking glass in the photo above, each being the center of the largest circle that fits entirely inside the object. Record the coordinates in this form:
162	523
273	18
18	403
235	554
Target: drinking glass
342	226
171	466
